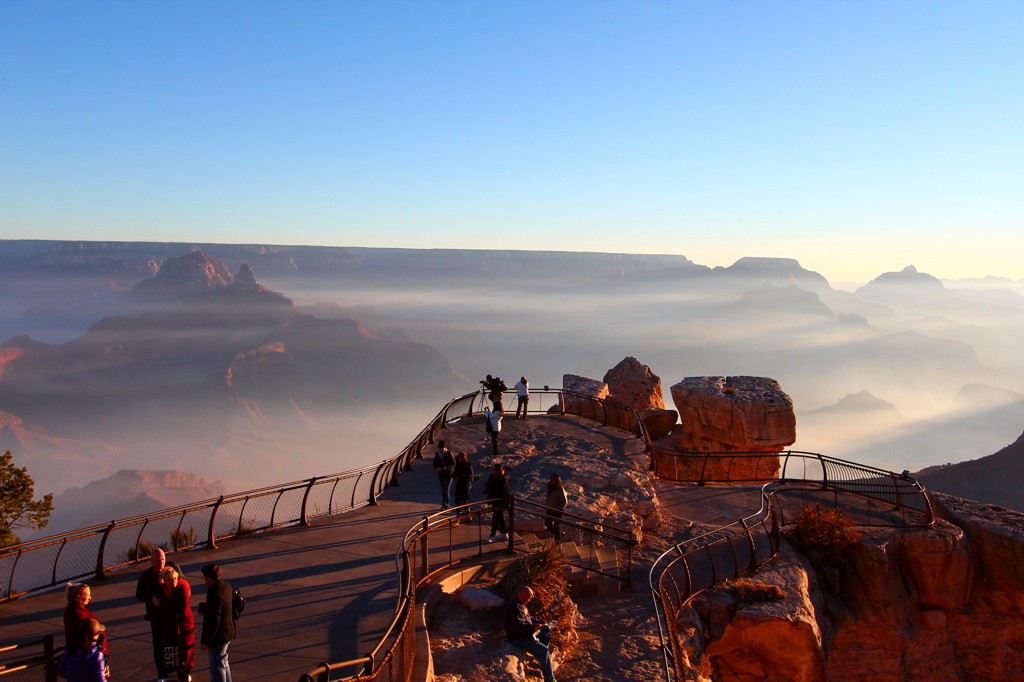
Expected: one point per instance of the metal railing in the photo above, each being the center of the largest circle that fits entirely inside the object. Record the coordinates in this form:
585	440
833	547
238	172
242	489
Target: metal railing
903	500
91	552
459	535
873	497
38	661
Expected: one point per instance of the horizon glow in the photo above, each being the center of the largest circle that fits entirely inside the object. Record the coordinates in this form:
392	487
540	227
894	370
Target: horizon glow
856	137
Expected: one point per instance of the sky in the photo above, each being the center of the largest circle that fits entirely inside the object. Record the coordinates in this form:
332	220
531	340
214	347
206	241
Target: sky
856	136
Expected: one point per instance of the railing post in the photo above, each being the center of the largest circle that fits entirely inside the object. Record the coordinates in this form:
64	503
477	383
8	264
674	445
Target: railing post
303	521
56	562
373	485
51	660
424	548
511	525
100	573
211	532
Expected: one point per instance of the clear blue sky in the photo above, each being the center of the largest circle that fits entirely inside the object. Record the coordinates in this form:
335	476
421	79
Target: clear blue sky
856	136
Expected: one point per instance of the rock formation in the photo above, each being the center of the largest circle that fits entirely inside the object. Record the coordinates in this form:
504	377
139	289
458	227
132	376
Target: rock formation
584	386
633	384
182	276
733	414
905	605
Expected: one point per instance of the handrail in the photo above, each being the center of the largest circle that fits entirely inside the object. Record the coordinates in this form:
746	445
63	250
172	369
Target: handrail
861	481
45	562
47	658
415	567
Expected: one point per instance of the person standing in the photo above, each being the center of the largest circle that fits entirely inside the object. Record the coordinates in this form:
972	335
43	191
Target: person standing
174	609
493	425
218	623
526	634
555	502
463	476
497	491
77	612
444	465
523	390
149	586
84	659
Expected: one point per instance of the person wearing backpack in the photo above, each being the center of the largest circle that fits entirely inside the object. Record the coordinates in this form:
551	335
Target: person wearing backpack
218	623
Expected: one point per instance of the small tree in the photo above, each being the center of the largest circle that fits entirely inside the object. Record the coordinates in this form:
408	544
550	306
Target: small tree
17	508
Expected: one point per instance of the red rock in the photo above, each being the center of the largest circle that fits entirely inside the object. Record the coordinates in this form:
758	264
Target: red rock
632	383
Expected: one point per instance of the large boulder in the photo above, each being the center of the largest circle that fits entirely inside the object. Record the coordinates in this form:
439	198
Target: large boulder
733	414
632	383
592	388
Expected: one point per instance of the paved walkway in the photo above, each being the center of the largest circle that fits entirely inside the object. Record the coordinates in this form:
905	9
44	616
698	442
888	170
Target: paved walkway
325	592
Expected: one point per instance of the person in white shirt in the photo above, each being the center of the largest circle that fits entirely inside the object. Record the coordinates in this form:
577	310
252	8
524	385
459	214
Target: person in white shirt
523	389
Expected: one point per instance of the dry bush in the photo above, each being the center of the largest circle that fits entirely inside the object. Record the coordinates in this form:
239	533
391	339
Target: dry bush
542	572
754	593
829	531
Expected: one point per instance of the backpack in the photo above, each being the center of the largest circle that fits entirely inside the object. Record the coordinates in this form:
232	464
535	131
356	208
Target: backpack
237	603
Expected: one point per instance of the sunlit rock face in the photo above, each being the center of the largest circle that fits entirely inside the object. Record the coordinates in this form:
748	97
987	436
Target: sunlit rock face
266	367
584	386
904	604
736	414
632	383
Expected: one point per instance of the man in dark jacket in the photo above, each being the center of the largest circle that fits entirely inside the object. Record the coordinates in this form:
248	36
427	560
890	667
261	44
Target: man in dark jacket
148	587
444	465
218	623
526	634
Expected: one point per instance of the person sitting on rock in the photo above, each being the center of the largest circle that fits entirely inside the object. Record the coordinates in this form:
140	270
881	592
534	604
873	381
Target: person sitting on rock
526	634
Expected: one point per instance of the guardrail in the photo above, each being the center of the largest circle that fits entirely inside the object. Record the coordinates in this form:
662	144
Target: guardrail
41	666
50	561
445	539
910	506
874	497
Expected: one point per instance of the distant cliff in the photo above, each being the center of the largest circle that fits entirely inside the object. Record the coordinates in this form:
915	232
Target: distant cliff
125	494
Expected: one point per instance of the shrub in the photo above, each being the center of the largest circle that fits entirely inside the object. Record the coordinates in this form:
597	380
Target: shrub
754	593
183	538
542	571
829	531
139	552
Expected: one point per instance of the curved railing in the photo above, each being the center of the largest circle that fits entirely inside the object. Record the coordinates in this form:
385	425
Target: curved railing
46	562
458	535
744	545
873	497
908	504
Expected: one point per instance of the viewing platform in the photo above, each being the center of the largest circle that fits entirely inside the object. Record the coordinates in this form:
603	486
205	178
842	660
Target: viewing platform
330	566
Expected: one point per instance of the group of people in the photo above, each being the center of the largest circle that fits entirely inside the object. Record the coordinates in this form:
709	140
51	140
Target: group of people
167	597
458	469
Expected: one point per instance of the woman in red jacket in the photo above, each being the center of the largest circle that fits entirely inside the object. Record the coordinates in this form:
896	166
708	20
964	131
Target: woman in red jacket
173	604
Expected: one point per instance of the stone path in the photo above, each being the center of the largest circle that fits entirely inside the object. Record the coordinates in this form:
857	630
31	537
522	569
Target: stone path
325	592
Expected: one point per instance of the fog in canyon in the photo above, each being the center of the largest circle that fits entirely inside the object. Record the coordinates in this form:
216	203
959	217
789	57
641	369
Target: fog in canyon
319	360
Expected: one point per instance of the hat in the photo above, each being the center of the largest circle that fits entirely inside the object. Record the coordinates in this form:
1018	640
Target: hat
93	627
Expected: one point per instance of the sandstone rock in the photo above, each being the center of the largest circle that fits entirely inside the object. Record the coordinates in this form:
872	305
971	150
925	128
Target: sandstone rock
185	275
772	640
584	386
478	599
265	365
938	562
659	423
735	413
996	537
633	384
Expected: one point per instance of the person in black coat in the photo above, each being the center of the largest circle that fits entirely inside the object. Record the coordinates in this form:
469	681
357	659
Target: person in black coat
218	623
